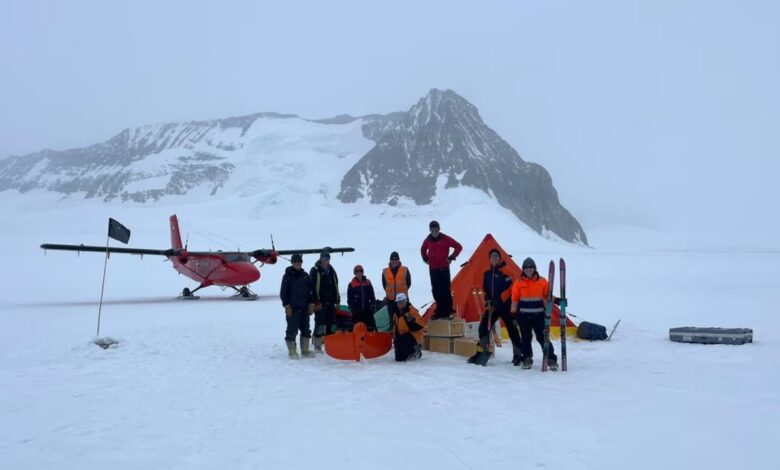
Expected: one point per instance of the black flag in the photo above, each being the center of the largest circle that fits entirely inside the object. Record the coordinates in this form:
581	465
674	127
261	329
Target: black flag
118	231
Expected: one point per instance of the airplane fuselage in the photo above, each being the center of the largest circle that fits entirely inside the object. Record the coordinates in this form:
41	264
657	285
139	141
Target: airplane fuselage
219	269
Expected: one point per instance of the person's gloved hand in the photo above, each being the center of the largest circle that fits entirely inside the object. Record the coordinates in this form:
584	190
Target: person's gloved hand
288	310
310	310
425	259
451	258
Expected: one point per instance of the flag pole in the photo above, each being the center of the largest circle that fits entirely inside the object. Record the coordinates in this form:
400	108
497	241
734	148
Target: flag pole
102	286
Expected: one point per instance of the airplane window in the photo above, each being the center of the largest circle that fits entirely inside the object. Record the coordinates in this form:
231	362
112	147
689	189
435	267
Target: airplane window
232	257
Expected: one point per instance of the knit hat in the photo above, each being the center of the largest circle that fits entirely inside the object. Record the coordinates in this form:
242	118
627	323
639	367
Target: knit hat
529	263
394	255
325	255
296	258
433	224
498	253
357	268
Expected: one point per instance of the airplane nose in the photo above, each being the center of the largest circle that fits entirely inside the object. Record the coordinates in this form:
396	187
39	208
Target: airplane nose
247	271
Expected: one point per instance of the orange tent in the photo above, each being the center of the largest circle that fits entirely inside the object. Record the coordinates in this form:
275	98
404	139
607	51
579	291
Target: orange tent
468	298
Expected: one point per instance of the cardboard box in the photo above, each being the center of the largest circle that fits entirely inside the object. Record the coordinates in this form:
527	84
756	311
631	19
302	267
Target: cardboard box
447	328
441	345
466	346
472	329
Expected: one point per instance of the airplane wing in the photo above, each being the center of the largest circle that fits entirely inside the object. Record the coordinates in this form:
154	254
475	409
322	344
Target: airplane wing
264	253
102	249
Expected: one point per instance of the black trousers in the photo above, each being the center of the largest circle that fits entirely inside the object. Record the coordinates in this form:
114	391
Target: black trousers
532	323
442	292
325	320
298	321
405	345
488	319
364	316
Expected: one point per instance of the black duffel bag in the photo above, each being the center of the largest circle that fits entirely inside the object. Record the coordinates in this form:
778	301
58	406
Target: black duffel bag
591	331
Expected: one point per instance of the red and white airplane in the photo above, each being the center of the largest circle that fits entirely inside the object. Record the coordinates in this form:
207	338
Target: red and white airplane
234	269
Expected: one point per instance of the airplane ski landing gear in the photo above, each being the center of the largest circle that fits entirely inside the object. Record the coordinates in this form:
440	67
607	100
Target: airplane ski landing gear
244	293
187	294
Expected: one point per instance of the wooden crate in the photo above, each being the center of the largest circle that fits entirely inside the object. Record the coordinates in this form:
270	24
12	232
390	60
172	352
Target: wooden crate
447	328
441	345
466	346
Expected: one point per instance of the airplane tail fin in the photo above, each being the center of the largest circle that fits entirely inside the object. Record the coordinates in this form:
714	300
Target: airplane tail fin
175	235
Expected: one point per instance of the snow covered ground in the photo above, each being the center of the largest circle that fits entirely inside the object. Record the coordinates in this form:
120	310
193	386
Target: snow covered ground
207	384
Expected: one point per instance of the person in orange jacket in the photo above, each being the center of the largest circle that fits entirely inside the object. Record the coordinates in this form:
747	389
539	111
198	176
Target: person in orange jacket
529	298
396	279
407	331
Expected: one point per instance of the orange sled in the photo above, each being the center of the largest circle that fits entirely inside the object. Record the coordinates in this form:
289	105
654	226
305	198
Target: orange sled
349	345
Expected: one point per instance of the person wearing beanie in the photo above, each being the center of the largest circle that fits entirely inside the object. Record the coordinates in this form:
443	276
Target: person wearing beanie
325	283
408	328
529	297
360	298
298	301
435	252
396	279
497	285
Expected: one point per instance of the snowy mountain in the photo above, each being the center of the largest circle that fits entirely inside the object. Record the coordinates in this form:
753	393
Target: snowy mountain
440	144
444	137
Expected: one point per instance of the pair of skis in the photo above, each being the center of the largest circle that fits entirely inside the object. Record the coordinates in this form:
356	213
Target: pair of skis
548	314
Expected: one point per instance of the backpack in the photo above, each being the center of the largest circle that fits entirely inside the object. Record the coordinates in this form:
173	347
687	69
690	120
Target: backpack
591	331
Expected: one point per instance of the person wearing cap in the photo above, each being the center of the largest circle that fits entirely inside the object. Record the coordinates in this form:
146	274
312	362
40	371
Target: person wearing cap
298	301
529	297
497	285
408	328
436	254
326	298
396	279
360	298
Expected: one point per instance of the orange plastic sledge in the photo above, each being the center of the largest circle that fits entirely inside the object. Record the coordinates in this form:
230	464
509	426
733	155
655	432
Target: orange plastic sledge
350	345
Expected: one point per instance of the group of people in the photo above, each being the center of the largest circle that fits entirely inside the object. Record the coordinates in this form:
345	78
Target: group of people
519	303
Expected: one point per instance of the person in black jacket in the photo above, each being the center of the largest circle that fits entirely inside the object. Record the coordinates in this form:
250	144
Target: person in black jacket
497	285
298	300
326	298
361	299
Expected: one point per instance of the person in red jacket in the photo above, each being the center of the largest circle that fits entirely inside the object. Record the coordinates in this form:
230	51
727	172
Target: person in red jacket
435	253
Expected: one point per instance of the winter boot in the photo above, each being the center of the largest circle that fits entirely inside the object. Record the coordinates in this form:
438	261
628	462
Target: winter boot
291	351
484	351
305	351
317	340
476	358
552	363
528	362
416	354
517	358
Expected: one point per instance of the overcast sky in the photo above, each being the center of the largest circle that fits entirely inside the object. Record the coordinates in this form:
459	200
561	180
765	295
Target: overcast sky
658	113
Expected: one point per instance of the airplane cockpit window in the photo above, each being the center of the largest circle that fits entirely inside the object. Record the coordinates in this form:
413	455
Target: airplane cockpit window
233	257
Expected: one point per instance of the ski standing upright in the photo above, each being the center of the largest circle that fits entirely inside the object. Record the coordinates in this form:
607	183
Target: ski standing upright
562	267
548	315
